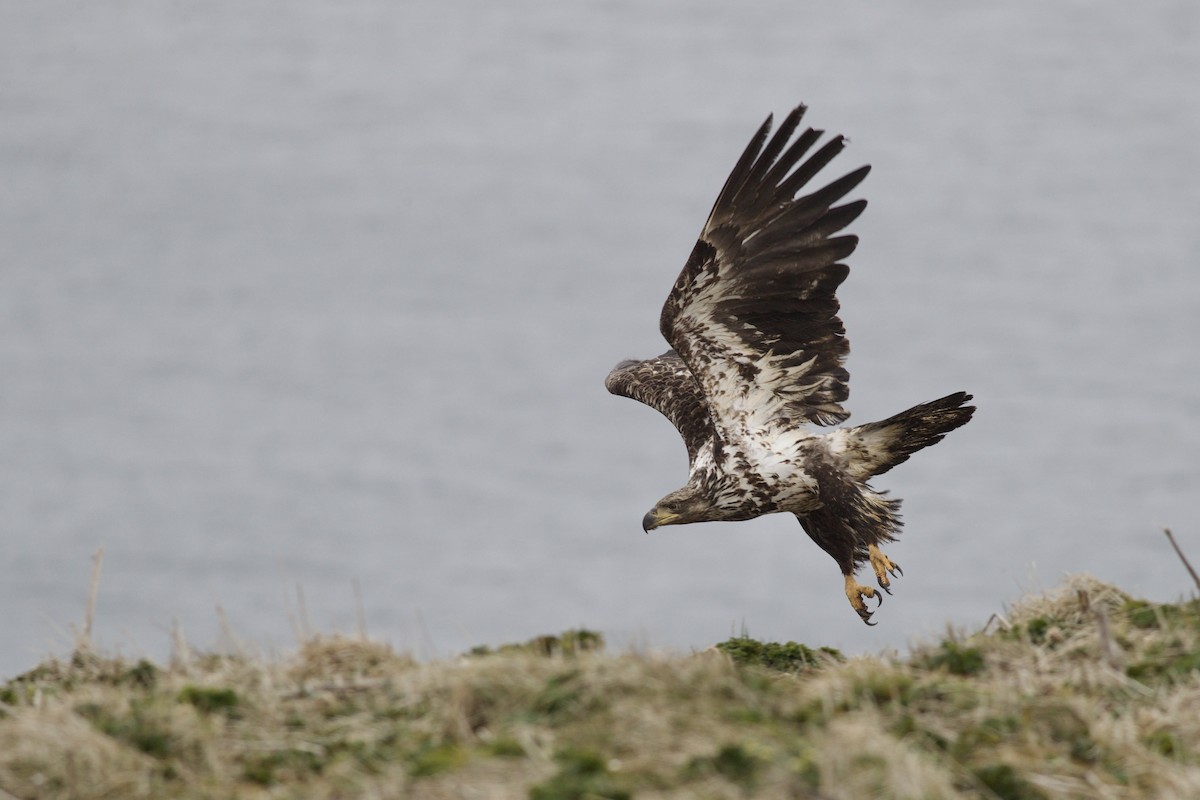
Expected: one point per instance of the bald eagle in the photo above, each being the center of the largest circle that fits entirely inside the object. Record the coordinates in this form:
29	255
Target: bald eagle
757	352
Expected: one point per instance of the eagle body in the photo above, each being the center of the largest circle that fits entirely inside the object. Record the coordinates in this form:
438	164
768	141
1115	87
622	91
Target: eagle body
757	354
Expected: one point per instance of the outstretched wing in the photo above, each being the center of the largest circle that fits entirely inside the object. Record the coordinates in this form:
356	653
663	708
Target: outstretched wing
754	312
666	384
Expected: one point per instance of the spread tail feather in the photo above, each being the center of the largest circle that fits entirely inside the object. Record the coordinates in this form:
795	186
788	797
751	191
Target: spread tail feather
879	446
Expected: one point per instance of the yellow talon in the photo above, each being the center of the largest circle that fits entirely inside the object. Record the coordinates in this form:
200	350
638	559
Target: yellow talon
882	565
855	592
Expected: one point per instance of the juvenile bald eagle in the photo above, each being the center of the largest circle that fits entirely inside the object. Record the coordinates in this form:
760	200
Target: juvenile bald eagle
757	351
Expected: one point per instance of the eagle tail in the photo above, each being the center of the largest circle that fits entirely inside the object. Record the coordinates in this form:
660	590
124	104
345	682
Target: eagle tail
891	441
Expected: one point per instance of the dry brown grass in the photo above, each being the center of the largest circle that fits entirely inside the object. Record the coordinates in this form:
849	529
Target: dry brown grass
1081	692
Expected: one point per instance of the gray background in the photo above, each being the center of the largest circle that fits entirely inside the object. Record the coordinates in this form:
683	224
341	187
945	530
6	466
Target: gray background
315	294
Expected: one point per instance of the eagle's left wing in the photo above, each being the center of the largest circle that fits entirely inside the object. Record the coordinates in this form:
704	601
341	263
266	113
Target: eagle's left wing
666	384
754	311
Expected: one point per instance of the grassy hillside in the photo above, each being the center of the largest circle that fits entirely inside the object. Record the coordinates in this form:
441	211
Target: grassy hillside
1084	692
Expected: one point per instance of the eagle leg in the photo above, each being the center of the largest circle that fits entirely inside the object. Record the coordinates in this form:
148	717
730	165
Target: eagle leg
883	566
855	592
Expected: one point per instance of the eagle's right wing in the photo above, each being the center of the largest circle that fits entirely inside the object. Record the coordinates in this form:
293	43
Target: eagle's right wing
754	313
666	384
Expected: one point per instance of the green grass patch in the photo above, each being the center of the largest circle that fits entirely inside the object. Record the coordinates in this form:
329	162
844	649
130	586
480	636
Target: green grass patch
957	658
504	747
287	765
143	727
984	736
210	700
582	775
785	657
1004	782
436	759
567	643
1171	662
1146	615
734	762
562	693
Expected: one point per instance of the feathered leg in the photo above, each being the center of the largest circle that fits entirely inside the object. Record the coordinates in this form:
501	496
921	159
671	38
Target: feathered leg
828	531
849	524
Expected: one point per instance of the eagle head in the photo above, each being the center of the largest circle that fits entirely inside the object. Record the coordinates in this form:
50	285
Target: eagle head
678	508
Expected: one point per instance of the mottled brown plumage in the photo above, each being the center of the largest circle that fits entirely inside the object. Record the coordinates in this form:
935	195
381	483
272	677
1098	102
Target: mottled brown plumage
758	351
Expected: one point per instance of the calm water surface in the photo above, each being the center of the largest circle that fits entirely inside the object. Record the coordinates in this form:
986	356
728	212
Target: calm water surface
323	295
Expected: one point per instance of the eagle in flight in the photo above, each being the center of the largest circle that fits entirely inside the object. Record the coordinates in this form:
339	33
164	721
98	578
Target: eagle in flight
757	354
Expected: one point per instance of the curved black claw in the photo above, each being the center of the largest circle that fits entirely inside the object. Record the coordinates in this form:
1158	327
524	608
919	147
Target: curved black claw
883	585
896	571
866	615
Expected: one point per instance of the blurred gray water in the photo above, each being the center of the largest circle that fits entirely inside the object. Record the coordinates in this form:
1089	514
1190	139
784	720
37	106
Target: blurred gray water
307	294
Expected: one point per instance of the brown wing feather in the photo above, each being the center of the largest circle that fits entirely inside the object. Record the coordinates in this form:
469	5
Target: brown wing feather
754	313
666	384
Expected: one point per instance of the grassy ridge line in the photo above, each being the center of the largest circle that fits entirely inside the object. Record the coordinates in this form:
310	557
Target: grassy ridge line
1083	692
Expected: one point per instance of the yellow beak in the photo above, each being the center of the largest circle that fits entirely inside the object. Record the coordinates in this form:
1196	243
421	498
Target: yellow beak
656	518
